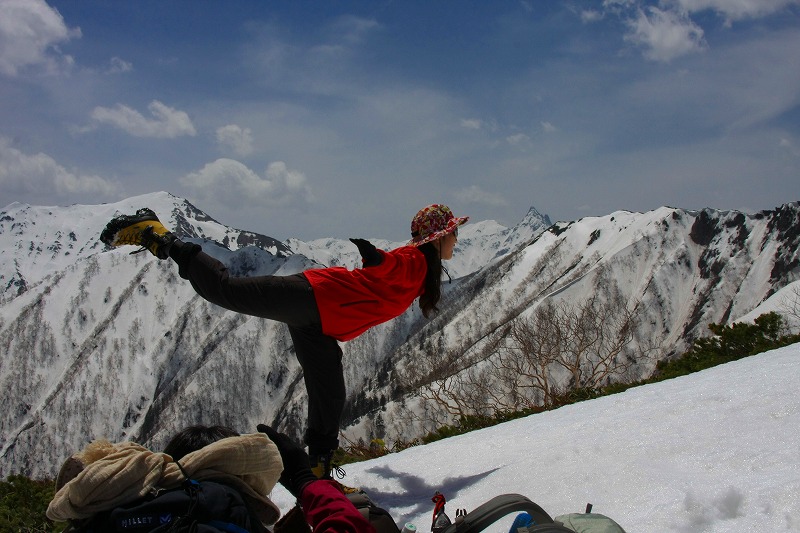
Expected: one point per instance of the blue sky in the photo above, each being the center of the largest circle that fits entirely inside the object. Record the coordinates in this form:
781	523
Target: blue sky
336	119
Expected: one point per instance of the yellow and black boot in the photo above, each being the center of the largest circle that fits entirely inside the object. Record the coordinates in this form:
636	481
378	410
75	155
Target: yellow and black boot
141	229
322	466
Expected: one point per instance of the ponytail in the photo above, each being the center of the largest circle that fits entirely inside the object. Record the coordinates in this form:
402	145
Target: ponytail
433	280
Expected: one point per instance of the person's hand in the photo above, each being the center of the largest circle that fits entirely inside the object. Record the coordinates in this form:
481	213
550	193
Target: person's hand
370	254
296	464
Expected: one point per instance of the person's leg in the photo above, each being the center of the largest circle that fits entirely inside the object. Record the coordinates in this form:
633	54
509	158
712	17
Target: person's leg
288	299
321	360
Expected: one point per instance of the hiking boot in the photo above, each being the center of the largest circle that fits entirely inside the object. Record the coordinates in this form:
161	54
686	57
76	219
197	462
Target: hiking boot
322	466
142	229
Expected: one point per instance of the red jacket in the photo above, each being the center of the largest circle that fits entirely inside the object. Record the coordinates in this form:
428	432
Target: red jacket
352	301
328	510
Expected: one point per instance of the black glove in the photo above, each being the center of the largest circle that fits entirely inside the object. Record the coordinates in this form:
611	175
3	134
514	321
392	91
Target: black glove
370	254
296	465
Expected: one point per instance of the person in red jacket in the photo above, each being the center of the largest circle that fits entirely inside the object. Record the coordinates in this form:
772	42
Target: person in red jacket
320	306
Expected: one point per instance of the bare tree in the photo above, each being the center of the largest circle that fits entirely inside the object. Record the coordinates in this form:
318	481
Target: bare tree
520	375
791	308
539	356
598	331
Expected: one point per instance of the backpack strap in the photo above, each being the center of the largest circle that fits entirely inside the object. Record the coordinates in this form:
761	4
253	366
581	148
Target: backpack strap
493	510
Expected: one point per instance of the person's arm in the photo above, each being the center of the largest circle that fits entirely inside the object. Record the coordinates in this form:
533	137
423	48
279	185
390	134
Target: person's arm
370	256
328	510
324	505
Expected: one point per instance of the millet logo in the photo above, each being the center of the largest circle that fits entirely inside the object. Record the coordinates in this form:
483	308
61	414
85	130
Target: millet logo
136	521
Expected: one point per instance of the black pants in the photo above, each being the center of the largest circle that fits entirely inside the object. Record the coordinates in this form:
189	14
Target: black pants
288	299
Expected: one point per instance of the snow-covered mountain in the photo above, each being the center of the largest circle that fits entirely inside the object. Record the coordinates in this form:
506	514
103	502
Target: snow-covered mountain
99	343
38	241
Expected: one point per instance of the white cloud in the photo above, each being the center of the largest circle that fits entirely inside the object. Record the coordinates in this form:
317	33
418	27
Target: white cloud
22	173
118	65
738	9
789	146
665	35
548	127
238	139
475	195
167	123
591	15
518	139
471	123
233	184
353	30
30	31
666	31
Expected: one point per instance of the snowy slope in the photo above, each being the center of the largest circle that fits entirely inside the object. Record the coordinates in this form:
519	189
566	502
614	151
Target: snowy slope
712	452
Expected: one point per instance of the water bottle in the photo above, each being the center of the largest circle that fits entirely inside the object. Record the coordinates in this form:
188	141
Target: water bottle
409	528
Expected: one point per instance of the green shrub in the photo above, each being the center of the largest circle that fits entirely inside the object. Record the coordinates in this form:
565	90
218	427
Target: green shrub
729	343
23	503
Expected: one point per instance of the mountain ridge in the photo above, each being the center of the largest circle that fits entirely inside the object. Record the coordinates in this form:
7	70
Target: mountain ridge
100	343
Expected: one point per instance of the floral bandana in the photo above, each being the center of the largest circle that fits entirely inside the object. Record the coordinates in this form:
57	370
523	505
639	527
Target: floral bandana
433	222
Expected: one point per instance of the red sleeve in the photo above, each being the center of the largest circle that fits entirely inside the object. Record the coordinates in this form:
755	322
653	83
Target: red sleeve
328	510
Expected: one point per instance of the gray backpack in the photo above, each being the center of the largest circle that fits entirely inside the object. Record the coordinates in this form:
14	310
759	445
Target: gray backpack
589	522
539	521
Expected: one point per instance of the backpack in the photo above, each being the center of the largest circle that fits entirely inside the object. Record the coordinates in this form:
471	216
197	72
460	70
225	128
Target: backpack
589	522
531	518
197	506
493	510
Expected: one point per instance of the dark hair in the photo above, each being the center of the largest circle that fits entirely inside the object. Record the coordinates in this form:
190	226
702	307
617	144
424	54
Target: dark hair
433	280
195	437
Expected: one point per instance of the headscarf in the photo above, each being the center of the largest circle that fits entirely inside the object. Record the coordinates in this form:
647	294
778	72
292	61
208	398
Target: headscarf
432	222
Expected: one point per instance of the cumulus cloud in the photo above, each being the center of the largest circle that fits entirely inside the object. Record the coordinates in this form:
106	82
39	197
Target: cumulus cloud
471	123
166	122
117	66
236	138
548	127
738	10
666	30
664	35
475	195
591	15
22	173
518	139
30	32
233	184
